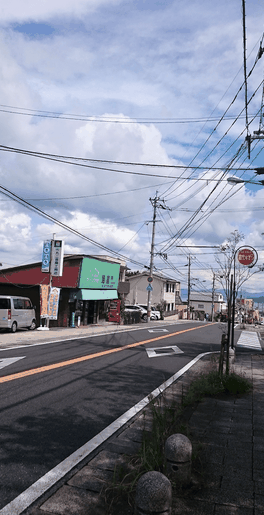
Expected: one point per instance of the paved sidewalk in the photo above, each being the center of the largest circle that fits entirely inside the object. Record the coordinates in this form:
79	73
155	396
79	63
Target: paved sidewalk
231	432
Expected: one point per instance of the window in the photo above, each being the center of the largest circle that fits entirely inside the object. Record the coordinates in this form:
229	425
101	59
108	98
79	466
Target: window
200	306
4	303
19	304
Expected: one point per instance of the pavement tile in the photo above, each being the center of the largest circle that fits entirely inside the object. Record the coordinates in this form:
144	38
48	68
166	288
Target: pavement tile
259	501
131	434
107	460
187	507
73	501
91	479
119	446
259	486
258	475
225	509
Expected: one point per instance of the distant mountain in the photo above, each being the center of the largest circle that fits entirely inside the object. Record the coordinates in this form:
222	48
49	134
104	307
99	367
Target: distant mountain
257	297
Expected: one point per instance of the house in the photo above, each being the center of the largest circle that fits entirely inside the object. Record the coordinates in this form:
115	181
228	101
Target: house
165	290
202	301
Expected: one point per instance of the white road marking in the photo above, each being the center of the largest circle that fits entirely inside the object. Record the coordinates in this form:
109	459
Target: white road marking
249	340
42	485
158	331
156	352
4	362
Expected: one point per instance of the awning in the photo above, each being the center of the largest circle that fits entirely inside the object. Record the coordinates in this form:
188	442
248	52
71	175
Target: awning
84	294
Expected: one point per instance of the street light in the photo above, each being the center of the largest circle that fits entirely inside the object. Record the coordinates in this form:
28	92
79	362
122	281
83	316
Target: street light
236	180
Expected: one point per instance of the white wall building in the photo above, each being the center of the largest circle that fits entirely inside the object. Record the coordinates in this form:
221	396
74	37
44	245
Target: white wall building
202	301
164	290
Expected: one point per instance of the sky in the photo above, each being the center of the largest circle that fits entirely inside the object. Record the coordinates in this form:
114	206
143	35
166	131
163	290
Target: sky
121	84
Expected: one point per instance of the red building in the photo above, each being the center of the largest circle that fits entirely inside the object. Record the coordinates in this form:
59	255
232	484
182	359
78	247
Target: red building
86	285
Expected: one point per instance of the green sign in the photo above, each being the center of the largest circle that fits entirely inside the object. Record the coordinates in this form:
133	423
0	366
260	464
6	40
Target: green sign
99	275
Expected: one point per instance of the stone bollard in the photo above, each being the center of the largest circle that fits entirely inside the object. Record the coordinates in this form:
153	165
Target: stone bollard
232	355
153	494
178	453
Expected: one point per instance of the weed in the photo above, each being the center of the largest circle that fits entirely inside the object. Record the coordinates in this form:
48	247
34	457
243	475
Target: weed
167	419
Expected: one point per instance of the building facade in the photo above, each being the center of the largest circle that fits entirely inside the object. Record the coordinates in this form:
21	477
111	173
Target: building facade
202	301
165	290
86	287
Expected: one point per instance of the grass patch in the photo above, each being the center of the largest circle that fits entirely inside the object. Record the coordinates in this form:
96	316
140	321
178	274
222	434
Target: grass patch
212	384
167	419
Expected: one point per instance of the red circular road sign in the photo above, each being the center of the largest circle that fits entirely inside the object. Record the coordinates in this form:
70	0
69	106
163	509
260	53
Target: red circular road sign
246	256
150	279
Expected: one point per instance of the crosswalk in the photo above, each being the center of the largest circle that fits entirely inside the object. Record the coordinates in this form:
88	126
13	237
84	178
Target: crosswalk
249	340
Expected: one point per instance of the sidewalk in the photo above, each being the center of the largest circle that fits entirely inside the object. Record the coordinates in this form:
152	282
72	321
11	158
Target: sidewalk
231	432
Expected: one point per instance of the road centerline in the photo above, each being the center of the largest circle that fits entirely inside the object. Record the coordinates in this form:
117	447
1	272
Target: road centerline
88	357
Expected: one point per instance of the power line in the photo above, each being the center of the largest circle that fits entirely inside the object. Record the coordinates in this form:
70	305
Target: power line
29	206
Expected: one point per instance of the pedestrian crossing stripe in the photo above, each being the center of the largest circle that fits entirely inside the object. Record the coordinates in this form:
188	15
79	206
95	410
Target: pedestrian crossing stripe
249	340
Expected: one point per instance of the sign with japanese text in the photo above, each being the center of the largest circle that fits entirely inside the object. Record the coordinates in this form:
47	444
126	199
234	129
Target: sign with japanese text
57	251
53	307
99	275
46	253
246	256
44	300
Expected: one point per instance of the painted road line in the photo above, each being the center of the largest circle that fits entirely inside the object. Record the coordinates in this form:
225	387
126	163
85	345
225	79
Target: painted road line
9	361
249	340
34	492
159	351
90	335
158	330
47	368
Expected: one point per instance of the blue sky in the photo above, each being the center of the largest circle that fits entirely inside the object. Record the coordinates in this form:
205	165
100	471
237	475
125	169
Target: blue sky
137	82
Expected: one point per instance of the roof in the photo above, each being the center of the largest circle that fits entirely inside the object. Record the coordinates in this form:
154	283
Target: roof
206	297
156	275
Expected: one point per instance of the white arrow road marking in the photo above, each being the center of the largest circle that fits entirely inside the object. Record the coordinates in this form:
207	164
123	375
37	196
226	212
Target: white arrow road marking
4	362
158	351
158	331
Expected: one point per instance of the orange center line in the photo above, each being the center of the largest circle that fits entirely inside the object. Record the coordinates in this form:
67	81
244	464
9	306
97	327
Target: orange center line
73	361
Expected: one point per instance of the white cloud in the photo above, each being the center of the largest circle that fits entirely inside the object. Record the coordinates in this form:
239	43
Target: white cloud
127	60
16	11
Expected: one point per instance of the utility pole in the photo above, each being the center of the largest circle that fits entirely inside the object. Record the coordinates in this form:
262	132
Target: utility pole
213	291
156	202
189	287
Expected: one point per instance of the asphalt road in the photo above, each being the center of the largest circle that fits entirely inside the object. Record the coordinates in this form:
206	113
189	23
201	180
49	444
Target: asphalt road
48	414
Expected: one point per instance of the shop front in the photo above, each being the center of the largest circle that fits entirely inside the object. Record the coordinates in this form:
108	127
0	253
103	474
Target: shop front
86	288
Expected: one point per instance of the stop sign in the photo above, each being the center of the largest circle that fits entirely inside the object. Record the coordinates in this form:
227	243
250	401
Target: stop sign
246	256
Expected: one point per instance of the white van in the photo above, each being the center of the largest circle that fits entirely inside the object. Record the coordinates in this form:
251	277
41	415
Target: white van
16	312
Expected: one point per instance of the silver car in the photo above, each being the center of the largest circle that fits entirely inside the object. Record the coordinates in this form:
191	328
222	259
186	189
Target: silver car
16	312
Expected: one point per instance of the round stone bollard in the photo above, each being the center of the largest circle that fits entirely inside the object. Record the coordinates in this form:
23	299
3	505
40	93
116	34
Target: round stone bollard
178	453
153	494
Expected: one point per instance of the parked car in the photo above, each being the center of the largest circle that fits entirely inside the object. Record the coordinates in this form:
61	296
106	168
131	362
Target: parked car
138	308
16	312
154	312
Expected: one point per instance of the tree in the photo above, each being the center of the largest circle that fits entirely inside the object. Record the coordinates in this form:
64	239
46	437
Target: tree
225	262
232	275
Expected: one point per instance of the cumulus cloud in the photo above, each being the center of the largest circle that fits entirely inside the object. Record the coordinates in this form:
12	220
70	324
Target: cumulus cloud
15	11
133	62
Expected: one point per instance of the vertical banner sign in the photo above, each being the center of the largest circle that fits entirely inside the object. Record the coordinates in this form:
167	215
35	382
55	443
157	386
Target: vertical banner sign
46	256
53	303
57	250
44	300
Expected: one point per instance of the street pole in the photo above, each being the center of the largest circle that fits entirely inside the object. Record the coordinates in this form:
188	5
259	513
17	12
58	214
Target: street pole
154	203
189	287
213	291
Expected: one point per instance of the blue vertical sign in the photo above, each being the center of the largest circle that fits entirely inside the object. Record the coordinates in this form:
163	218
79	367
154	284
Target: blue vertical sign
46	256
